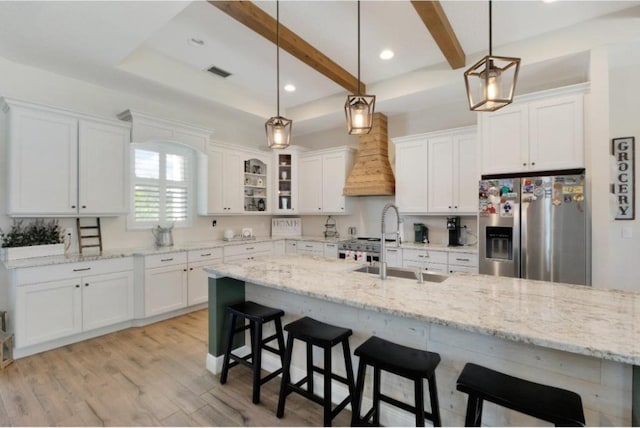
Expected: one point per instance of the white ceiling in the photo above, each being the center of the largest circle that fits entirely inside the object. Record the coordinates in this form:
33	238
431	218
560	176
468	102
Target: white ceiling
116	44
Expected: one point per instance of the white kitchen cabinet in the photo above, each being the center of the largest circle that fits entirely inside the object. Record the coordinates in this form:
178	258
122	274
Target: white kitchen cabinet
291	247
463	262
322	176
310	184
411	174
103	168
247	251
106	299
452	173
535	134
165	283
54	302
47	311
393	257
233	181
310	248
221	170
285	178
197	278
331	250
85	166
430	260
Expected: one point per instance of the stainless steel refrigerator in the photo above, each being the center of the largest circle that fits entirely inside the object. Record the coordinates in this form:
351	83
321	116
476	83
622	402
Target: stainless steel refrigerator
535	227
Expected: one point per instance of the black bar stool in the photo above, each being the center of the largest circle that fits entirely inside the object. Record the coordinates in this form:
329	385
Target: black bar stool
403	361
325	336
555	405
257	315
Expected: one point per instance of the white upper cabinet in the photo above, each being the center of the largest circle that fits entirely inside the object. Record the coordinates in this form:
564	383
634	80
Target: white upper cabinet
55	170
103	168
286	181
543	133
452	175
411	174
233	181
322	176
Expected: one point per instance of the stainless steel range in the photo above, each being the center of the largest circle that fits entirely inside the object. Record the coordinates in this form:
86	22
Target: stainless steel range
369	245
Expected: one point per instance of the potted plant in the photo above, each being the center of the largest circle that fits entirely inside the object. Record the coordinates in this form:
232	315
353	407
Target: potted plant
36	239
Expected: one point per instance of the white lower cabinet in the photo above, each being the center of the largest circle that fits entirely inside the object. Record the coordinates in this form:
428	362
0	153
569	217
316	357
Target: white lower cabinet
311	248
165	283
197	278
435	261
55	302
233	253
331	251
463	262
291	247
393	257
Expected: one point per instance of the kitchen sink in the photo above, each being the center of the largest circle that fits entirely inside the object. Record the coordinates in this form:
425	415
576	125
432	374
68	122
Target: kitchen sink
402	273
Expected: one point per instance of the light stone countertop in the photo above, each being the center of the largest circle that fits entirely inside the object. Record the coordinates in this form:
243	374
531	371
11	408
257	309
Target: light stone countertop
595	322
202	245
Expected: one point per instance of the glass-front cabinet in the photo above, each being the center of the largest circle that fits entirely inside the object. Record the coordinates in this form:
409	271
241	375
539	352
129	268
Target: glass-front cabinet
285	179
256	197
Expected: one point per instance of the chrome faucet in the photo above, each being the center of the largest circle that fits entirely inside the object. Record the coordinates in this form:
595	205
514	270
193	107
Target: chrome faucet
383	250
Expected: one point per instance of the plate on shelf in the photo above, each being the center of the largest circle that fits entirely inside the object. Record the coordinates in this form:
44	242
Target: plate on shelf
247	232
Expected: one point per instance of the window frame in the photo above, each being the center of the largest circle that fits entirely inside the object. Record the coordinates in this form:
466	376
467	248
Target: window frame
191	165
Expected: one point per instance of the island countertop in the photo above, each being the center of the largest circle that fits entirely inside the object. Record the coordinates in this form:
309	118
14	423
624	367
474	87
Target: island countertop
583	320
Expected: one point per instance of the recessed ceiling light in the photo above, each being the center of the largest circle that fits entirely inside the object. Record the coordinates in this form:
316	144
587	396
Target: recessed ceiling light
194	41
289	87
386	54
548	1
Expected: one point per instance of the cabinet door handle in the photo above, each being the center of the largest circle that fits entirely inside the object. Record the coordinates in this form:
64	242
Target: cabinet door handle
462	260
184	270
86	284
84	206
81	269
249	248
77	285
205	255
456	207
392	251
166	260
524	164
73	206
309	246
533	163
190	268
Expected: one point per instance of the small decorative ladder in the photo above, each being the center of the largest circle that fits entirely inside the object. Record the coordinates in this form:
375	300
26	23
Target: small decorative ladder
89	236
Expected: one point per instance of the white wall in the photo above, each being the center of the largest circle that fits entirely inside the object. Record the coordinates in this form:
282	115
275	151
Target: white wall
624	116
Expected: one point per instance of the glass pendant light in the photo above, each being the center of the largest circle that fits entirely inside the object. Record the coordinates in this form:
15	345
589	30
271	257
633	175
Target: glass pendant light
359	108
278	128
491	82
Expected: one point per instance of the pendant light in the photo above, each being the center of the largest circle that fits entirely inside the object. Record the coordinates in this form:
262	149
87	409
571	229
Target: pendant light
359	108
491	81
278	128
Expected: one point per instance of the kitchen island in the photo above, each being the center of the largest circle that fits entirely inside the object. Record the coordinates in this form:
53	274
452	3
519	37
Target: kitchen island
579	338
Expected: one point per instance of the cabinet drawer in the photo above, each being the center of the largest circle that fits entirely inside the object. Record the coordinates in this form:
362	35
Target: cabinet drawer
463	259
204	255
41	274
253	247
310	248
419	255
166	259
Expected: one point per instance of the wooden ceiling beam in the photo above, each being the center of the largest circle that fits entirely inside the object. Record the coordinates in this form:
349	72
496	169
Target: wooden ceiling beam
264	24
436	21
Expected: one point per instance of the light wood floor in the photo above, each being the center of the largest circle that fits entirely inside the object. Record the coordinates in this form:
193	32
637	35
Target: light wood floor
149	376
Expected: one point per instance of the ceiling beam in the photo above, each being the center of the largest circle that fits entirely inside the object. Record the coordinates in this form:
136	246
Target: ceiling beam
264	24
436	21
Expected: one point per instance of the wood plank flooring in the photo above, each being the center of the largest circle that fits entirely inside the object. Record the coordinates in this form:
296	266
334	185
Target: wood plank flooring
148	376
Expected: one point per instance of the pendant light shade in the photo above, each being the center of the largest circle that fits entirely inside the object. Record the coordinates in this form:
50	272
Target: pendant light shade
491	82
278	128
359	108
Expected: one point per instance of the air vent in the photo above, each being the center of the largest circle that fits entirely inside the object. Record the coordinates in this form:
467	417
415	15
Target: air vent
218	71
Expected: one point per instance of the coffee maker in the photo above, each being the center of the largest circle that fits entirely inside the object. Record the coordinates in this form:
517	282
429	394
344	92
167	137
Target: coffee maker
454	228
421	233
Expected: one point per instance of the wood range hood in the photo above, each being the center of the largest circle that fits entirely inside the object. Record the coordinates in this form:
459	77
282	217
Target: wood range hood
371	174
